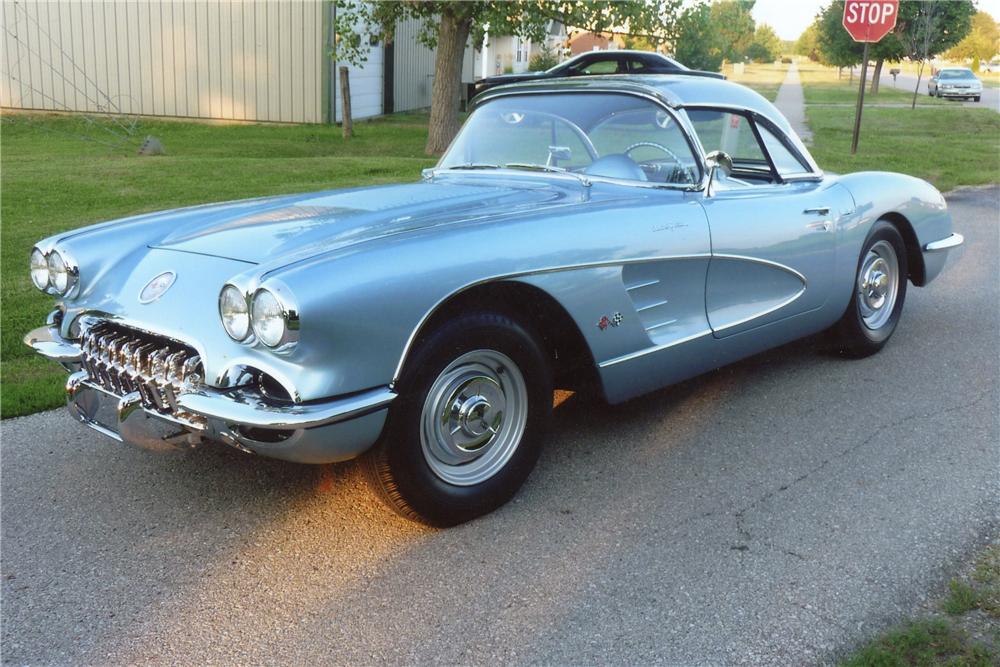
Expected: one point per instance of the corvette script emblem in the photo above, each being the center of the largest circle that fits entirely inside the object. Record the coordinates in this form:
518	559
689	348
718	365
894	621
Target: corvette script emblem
155	288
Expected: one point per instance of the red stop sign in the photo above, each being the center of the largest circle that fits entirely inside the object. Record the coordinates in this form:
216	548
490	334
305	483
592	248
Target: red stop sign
870	20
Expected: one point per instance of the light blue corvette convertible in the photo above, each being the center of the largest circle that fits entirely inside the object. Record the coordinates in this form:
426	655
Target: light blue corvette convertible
621	233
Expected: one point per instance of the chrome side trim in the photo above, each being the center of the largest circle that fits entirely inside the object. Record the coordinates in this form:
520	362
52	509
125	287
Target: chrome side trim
948	243
655	348
506	276
655	304
648	283
762	313
758	260
247	409
660	325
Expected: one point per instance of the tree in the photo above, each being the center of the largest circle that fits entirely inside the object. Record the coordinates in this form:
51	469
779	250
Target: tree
448	26
808	42
543	60
982	42
641	43
697	44
766	45
734	26
838	49
934	27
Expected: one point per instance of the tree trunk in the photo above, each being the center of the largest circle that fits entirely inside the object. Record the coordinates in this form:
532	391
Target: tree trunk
446	92
916	89
877	75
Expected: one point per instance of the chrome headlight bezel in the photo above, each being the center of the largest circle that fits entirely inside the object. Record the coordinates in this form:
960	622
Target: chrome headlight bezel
38	262
283	311
238	297
63	273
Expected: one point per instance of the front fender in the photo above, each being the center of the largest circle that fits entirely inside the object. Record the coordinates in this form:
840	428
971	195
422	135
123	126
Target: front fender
903	199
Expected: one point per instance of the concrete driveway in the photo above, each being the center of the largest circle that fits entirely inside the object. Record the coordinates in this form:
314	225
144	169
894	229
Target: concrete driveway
773	512
990	98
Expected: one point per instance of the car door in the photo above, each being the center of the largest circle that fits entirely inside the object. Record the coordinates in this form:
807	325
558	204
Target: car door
774	226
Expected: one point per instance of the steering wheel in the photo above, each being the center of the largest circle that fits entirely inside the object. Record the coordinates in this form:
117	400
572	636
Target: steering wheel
650	166
653	144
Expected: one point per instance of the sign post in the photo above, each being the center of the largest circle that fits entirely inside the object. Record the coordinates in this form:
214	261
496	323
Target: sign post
867	21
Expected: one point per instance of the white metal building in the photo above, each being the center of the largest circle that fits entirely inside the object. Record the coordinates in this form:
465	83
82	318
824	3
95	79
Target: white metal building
219	59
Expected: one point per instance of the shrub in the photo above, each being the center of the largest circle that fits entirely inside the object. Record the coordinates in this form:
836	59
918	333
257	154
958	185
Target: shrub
543	60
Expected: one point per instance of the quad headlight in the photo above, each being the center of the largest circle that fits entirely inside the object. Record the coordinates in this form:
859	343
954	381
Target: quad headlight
53	272
39	269
235	312
274	319
271	316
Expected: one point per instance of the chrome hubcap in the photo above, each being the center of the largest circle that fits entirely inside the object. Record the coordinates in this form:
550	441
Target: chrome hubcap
474	417
878	281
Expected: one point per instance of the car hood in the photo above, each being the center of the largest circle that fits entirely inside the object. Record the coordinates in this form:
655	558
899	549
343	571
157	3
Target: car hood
296	226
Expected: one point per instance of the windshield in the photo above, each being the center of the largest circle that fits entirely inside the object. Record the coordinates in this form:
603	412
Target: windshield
956	74
595	134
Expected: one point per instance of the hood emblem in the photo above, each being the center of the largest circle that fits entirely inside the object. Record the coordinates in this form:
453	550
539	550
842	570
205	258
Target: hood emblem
155	288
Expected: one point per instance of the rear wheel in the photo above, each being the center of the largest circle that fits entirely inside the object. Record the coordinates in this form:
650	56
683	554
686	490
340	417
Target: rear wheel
879	293
467	428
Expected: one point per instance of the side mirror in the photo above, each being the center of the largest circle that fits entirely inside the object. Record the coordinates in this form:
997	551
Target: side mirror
717	161
720	160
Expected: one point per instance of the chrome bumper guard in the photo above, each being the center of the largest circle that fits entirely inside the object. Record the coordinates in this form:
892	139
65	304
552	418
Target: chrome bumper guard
203	412
947	243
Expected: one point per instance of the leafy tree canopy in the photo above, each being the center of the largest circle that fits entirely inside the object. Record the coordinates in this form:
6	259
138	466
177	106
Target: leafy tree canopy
530	19
983	40
952	23
697	44
734	26
448	26
808	42
766	46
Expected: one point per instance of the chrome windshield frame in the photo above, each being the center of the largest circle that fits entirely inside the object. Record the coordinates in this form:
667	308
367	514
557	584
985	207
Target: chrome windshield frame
687	131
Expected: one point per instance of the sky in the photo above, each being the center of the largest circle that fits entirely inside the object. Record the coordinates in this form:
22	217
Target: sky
790	17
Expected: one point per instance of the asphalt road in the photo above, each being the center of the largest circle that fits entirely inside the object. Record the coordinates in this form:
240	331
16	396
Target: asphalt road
990	98
775	512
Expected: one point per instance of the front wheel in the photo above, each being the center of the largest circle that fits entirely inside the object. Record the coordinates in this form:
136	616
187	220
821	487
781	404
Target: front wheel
879	293
466	431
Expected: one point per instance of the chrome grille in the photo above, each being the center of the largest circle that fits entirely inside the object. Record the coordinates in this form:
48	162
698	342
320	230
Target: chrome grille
124	360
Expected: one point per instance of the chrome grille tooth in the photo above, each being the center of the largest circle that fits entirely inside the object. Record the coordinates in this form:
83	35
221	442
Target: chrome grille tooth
191	373
123	360
171	396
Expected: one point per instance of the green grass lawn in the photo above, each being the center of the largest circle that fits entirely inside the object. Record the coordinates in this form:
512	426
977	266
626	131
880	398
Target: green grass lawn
765	78
53	180
822	85
946	146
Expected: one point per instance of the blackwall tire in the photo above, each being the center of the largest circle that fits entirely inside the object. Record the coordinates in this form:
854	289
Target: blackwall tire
467	429
879	293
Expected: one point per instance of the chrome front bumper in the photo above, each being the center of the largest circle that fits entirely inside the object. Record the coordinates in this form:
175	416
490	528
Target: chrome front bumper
314	432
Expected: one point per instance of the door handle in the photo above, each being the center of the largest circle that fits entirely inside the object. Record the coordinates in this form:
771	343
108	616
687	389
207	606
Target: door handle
819	210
